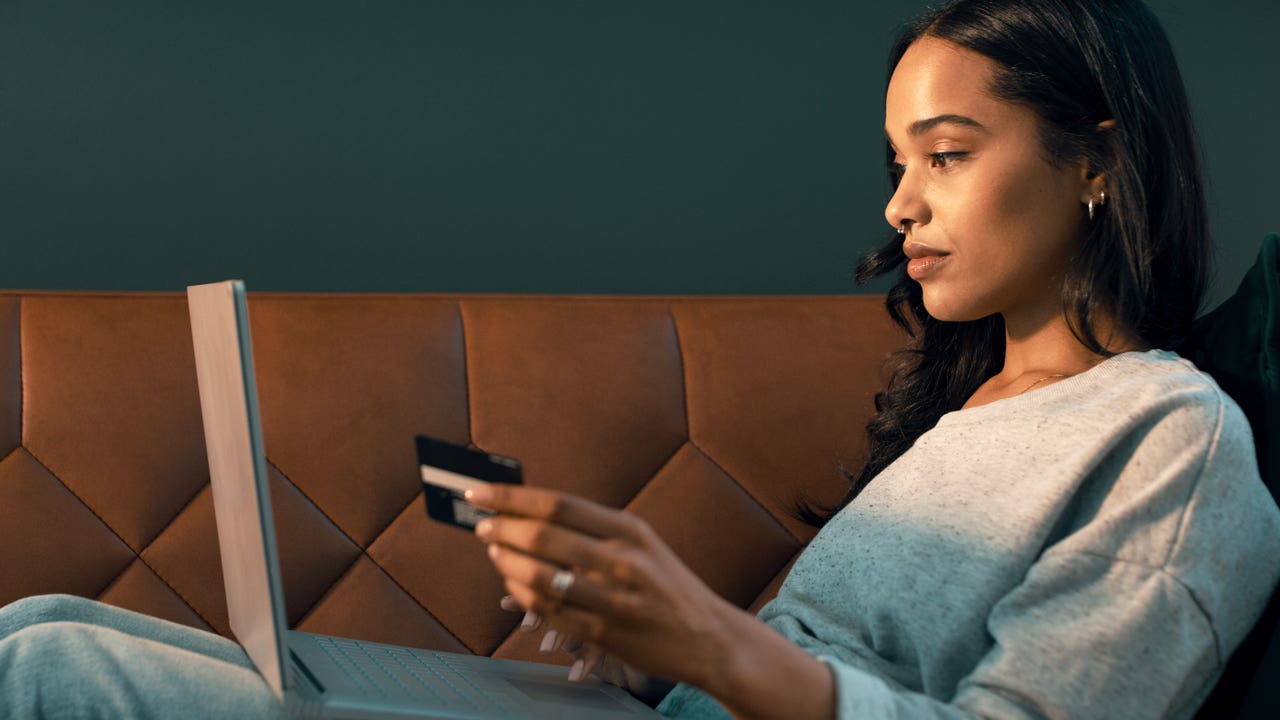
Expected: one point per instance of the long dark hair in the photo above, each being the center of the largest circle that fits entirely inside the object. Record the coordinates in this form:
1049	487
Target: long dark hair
1145	259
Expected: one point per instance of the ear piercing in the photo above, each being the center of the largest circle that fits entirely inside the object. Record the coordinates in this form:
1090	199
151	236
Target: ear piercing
1102	201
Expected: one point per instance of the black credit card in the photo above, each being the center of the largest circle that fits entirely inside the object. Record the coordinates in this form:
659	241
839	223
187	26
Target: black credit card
448	470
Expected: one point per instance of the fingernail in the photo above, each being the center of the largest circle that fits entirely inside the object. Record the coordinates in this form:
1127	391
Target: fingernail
548	642
575	672
479	495
493	552
530	621
484	527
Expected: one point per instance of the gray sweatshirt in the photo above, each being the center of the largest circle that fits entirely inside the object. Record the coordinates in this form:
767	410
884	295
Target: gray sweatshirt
1095	548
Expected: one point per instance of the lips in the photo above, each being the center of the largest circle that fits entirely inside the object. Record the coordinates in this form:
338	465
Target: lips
915	250
923	259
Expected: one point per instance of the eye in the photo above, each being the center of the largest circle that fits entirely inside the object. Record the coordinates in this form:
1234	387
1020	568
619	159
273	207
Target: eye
944	159
897	169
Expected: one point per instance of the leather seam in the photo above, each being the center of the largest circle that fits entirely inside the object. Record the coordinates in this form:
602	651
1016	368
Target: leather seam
22	375
79	499
404	589
430	614
684	372
466	372
136	554
746	492
363	552
154	571
167	584
688	429
328	589
645	485
313	503
156	536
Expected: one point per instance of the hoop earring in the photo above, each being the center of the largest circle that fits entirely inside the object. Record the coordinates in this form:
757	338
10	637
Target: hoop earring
1090	209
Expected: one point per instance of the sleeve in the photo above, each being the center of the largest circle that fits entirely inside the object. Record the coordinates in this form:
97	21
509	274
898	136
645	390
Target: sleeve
1134	614
1083	636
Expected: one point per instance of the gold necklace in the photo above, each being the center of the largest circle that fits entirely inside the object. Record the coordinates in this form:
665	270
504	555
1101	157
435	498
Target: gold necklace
1046	377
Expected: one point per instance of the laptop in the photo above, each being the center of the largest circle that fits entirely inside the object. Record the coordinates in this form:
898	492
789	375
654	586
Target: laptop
318	675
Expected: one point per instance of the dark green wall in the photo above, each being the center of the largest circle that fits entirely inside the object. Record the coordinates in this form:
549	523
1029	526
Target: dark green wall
513	146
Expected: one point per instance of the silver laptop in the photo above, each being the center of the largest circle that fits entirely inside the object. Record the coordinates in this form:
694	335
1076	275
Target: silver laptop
317	675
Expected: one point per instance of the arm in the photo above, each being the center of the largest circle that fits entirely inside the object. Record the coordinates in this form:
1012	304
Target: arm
632	597
763	674
1131	615
1083	636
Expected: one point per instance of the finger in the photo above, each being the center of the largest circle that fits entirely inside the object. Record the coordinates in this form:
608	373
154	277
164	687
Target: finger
608	668
548	644
555	507
592	660
584	666
584	592
572	645
584	627
523	593
588	628
553	543
530	621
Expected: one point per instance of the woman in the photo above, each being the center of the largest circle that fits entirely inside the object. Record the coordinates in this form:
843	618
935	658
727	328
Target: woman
1059	518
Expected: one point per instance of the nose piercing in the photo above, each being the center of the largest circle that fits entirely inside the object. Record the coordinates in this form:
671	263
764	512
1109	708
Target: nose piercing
902	229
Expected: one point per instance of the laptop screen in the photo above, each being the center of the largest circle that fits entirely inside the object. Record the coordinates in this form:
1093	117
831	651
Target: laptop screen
237	468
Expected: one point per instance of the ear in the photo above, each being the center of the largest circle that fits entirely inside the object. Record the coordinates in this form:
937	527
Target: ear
1095	180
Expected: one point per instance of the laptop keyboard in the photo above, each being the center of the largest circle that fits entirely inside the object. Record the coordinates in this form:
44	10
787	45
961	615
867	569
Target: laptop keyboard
406	675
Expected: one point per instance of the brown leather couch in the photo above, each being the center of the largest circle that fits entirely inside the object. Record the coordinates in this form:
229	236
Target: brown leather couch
710	417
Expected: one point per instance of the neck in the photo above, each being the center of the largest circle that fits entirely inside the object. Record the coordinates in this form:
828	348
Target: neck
1043	344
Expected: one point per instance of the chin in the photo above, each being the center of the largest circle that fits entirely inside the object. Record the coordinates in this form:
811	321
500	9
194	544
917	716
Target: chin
947	309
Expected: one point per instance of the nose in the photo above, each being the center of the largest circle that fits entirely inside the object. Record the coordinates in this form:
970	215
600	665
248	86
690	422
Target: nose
907	206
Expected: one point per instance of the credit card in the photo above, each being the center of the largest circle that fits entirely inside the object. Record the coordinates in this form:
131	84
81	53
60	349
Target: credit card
448	470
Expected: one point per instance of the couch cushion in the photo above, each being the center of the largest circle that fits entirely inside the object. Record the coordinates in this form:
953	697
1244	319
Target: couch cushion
707	416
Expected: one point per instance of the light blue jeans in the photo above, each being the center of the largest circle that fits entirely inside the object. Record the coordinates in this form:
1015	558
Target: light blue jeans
67	657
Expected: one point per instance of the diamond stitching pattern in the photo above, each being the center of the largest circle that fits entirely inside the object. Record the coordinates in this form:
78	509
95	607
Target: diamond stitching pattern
79	551
629	390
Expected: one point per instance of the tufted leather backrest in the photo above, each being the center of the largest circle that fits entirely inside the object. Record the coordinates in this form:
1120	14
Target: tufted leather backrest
709	417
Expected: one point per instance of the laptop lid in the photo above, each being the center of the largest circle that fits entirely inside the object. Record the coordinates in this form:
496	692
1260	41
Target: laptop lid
238	472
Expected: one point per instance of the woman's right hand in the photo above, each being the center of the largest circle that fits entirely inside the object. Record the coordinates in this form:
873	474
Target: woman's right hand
589	659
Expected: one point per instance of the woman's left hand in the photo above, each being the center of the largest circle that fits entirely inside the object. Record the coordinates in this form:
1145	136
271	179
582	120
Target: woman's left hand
604	576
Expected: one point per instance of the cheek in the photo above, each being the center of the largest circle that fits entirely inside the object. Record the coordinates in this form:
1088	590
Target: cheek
1033	219
1013	233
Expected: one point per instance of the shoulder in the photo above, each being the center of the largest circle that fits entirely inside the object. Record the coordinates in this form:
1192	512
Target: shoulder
1178	489
1168	419
1159	394
1171	456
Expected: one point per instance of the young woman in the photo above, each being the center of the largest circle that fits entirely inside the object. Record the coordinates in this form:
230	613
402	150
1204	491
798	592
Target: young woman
1059	518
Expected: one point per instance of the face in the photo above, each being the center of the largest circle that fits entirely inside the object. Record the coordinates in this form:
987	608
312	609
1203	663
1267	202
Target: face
990	223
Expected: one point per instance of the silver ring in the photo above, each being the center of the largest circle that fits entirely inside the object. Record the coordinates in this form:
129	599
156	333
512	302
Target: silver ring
561	582
902	229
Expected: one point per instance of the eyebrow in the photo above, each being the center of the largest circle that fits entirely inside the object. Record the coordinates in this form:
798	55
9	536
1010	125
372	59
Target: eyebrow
921	127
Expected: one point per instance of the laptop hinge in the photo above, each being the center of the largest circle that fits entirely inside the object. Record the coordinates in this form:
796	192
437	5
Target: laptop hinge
306	672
